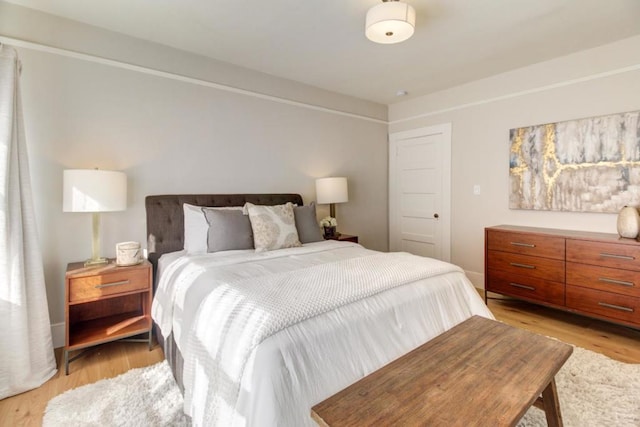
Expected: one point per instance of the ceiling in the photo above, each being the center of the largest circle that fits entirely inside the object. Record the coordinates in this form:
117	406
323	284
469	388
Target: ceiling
322	42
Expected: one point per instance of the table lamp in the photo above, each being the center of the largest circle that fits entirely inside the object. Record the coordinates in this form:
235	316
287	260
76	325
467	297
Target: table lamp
95	191
331	191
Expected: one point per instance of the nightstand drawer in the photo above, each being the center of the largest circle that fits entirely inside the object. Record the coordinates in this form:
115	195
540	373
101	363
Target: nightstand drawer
90	287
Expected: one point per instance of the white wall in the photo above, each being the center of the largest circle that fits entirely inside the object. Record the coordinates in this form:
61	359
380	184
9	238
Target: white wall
171	136
596	82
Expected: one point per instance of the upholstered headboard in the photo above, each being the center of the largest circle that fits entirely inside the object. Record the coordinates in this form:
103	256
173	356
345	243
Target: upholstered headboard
165	217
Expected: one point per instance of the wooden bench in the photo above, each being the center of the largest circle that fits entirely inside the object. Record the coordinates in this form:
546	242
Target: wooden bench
479	373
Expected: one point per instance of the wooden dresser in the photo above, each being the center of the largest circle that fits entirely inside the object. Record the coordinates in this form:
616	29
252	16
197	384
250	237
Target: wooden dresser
595	274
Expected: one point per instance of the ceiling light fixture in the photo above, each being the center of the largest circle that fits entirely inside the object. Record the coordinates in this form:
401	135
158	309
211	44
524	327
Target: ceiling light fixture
390	22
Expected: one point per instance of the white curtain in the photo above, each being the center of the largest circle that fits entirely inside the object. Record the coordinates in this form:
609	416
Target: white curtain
26	349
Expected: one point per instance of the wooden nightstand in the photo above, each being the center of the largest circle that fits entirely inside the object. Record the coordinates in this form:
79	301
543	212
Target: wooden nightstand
344	238
106	303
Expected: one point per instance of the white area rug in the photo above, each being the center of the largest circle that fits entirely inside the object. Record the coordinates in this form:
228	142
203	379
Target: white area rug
593	391
140	397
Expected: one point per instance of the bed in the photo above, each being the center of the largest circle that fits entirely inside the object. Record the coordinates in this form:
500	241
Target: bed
257	338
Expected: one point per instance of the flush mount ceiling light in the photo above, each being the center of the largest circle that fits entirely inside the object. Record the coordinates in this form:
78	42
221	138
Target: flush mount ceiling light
390	22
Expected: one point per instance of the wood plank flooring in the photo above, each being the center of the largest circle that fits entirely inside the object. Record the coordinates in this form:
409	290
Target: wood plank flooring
617	342
105	361
112	359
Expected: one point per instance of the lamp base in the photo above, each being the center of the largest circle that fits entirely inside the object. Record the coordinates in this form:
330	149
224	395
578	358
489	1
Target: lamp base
95	261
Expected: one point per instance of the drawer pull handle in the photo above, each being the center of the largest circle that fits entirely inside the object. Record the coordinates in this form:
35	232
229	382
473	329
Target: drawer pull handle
627	257
616	282
616	307
518	285
517	264
526	245
106	285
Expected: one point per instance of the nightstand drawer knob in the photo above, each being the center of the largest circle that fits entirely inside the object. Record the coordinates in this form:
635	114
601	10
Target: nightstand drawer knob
106	285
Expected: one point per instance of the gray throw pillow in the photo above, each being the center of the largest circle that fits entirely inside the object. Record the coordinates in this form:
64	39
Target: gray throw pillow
228	230
307	223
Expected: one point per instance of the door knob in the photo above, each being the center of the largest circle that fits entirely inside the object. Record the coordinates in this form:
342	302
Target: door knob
436	216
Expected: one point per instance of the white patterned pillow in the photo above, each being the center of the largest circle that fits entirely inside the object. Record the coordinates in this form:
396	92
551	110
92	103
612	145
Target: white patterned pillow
274	227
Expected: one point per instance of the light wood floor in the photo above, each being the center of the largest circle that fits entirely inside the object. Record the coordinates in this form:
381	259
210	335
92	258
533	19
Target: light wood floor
617	342
115	358
105	361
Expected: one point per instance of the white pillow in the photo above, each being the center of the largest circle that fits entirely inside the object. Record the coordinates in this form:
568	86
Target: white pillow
196	228
274	227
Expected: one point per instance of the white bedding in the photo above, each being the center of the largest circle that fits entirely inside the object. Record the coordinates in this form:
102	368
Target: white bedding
291	370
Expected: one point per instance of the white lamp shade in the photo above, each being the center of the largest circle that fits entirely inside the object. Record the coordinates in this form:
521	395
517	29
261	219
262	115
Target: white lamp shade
390	22
332	190
94	190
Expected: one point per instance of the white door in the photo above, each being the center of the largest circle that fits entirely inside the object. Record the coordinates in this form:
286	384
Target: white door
419	191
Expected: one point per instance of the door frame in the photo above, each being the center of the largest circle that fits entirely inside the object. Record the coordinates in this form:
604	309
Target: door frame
445	216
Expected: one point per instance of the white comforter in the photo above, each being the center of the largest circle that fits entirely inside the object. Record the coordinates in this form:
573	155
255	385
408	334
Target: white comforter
262	363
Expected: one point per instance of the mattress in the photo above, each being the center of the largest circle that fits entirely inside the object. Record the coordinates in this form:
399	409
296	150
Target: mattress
302	364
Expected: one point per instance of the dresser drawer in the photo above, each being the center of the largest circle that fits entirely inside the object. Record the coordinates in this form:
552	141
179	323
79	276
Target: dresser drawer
625	282
526	244
84	288
524	265
526	287
611	255
605	304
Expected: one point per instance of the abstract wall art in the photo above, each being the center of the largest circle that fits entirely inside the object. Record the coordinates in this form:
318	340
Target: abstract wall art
586	165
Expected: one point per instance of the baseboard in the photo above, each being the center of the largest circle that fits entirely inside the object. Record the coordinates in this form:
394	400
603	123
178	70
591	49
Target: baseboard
57	334
476	278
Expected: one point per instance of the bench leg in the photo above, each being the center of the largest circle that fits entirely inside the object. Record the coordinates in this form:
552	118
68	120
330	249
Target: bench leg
552	405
